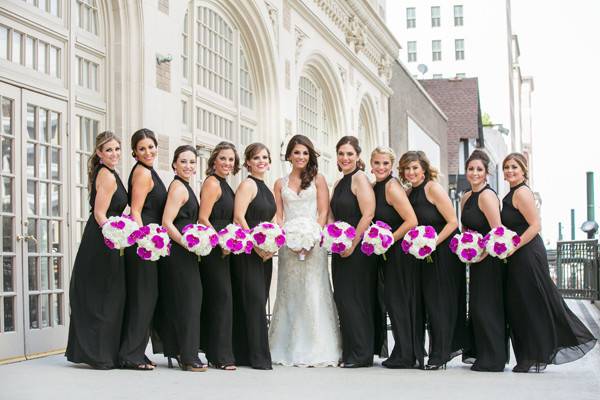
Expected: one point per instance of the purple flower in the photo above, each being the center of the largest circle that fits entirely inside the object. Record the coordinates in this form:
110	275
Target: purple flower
249	247
223	232
516	240
240	234
214	240
482	242
386	240
191	240
453	244
143	253
413	233
187	228
133	237
143	231
383	225
109	243
405	245
158	241
429	232
338	248
118	224
468	254
373	232
467	237
425	250
334	231
280	240
499	248
499	231
259	238
161	229
267	225
350	232
234	245
367	248
202	228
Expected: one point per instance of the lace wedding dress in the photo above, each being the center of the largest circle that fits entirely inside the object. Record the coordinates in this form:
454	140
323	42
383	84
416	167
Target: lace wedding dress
304	328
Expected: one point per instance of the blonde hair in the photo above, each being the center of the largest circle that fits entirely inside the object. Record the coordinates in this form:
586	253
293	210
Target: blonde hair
94	160
384	150
519	159
431	173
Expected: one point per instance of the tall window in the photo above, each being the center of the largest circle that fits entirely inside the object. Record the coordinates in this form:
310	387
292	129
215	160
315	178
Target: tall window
411	17
87	15
435	16
436	50
459	49
50	6
458	16
412	51
185	39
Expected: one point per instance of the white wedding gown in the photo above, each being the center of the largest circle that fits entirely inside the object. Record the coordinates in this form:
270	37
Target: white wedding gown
304	328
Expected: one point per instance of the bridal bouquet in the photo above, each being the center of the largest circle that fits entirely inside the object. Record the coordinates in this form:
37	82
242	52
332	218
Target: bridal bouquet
153	242
119	232
200	239
420	242
468	246
302	234
377	239
268	236
236	239
501	241
338	236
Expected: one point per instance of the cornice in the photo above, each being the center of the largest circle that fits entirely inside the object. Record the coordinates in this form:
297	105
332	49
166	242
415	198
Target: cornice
376	25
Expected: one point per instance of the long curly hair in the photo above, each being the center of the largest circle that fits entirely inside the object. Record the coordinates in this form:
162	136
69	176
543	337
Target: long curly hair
309	173
431	173
101	139
210	169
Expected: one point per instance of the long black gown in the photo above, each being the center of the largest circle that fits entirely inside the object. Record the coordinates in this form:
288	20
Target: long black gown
250	281
402	291
487	346
444	286
355	286
215	270
97	290
142	280
543	329
178	311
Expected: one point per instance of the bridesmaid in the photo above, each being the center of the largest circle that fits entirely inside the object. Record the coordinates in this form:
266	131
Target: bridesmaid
488	344
181	289
443	280
543	329
97	292
147	196
402	275
354	274
251	273
216	210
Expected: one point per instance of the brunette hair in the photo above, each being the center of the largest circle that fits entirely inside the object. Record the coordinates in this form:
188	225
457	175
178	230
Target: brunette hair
312	167
519	159
182	149
210	170
352	141
139	135
431	173
251	150
480	155
94	161
385	151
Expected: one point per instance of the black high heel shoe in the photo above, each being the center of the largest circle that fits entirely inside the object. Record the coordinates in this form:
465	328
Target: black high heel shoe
525	368
434	367
195	366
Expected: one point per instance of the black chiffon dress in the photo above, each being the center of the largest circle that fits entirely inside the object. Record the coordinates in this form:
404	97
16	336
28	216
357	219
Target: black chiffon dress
215	270
444	286
402	292
142	280
487	344
97	290
355	286
250	281
178	312
543	328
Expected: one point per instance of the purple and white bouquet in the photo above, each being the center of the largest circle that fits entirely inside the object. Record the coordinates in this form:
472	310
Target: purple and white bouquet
377	239
301	235
235	239
338	236
200	239
469	246
268	236
420	241
153	242
501	241
120	232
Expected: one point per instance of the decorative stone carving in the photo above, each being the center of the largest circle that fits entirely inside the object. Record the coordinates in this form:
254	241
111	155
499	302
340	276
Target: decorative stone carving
287	16
342	73
274	17
300	37
355	33
384	68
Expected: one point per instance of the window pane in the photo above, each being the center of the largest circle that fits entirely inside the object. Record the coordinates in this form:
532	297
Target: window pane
54	164
31	159
44	273
57	311
7	233
33	311
7	155
55	236
7	195
45	310
7	116
9	314
57	273
53	61
41	64
54	136
55	200
3	42
29	52
43	125
32	231
16	47
8	274
43	162
33	273
31	121
43	238
43	194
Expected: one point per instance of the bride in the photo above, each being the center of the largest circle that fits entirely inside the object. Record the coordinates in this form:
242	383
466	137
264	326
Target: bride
304	329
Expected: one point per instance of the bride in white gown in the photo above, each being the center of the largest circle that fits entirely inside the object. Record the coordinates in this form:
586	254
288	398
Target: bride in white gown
304	328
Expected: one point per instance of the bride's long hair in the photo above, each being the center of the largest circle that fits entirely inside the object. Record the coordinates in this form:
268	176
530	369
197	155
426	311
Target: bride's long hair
312	167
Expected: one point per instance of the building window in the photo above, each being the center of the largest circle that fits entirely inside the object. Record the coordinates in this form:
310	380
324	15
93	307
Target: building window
411	17
50	6
461	75
458	16
435	16
87	16
437	76
185	39
184	112
436	50
246	95
412	51
87	74
30	52
459	49
209	122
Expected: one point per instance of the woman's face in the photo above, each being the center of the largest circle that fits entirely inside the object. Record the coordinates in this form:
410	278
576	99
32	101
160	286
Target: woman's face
513	173
381	166
414	173
110	153
347	158
185	165
476	174
299	157
224	162
259	163
145	151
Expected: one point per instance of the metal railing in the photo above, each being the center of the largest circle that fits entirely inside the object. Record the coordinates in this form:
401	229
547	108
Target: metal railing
574	268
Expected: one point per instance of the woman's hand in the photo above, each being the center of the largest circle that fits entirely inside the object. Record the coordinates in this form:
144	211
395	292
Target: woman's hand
348	252
225	252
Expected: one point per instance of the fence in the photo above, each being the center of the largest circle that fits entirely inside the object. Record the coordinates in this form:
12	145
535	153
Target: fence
574	268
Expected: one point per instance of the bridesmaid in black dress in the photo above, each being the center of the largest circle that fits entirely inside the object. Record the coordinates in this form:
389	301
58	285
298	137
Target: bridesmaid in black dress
251	273
97	292
402	275
443	280
147	196
216	210
354	274
487	346
180	298
543	329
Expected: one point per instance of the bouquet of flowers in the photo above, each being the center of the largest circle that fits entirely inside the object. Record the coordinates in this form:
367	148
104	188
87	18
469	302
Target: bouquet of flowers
153	242
302	234
200	239
338	236
468	246
377	239
268	237
235	239
119	232
501	241
420	242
